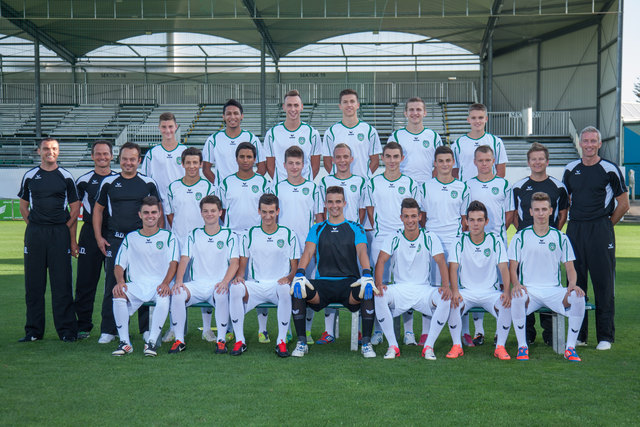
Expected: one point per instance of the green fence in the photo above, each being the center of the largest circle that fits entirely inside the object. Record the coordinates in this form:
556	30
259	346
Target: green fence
9	209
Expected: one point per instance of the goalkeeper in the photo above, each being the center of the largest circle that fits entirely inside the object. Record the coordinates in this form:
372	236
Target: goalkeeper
338	246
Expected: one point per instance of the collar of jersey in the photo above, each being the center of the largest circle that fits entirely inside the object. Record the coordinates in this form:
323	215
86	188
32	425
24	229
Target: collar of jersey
123	177
352	127
444	183
159	229
483	239
340	179
294	185
476	139
484	182
411	133
544	235
270	234
232	137
409	240
211	235
288	130
170	151
335	225
236	175
388	180
195	183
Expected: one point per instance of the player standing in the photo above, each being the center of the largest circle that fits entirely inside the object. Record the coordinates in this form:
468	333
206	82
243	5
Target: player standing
536	253
150	258
49	205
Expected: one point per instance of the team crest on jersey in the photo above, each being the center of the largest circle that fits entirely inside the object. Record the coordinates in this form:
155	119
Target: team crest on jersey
495	190
305	191
454	194
425	143
198	196
219	245
255	188
419	247
159	245
353	188
552	246
487	252
401	190
361	137
280	243
179	160
301	140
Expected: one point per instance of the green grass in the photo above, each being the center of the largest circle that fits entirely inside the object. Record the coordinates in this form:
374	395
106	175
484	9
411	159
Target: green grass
54	383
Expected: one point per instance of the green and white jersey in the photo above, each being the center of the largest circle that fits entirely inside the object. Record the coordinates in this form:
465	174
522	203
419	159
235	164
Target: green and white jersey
411	259
240	201
498	199
355	194
220	150
269	254
540	256
444	204
211	254
363	140
419	151
164	167
298	206
183	201
386	196
464	150
279	138
146	259
477	263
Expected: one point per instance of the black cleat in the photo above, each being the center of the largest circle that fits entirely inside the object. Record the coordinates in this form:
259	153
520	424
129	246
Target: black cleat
281	350
221	347
68	338
478	339
29	338
238	348
150	349
177	347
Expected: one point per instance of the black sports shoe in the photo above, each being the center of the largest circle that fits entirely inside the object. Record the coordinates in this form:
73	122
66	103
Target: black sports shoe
281	350
68	338
29	338
478	339
150	349
238	348
83	335
177	347
221	347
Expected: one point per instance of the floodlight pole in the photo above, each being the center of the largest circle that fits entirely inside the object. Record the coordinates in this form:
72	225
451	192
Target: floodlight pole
618	152
263	87
490	73
36	70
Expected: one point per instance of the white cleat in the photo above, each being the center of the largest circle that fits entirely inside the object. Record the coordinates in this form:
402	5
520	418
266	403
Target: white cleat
208	335
106	338
367	351
410	338
169	336
603	345
376	338
301	349
427	353
581	343
392	352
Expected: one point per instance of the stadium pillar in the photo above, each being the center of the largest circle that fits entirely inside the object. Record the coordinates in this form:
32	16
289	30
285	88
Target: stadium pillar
618	124
489	102
263	88
36	71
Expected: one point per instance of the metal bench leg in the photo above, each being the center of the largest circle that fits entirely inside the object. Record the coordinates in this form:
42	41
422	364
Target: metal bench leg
558	337
355	320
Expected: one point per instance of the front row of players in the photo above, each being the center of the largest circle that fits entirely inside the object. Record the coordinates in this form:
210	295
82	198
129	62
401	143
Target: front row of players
477	267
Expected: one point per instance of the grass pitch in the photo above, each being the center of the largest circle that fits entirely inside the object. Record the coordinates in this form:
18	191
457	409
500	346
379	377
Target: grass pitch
54	383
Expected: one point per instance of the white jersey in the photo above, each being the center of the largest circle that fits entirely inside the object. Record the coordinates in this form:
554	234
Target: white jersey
363	140
477	263
411	259
183	201
146	259
386	196
240	201
355	194
419	152
464	150
496	195
444	204
540	256
210	254
220	150
298	206
269	254
279	138
164	167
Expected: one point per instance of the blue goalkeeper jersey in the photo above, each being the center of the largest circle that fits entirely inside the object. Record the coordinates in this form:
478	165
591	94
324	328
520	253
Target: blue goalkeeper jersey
336	256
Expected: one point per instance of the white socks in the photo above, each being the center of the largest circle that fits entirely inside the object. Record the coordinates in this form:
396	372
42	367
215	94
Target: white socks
121	316
179	314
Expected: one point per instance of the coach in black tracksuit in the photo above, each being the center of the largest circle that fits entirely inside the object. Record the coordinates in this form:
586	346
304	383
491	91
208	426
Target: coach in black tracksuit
122	196
599	199
45	194
90	258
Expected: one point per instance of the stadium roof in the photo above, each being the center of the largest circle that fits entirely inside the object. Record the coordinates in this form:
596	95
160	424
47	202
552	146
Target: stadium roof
73	28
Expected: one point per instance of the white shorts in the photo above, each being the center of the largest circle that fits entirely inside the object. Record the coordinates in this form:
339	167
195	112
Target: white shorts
139	293
376	247
487	299
261	292
449	247
404	297
550	297
200	291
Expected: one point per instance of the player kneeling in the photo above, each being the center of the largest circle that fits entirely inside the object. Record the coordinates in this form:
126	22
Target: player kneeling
213	254
411	250
338	245
473	267
272	254
536	253
145	255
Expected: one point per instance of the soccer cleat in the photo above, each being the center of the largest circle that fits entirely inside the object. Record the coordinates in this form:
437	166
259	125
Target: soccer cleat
238	348
410	338
177	347
581	343
501	353
123	348
150	349
571	355
427	353
281	350
325	338
467	340
478	339
367	351
208	335
301	349
221	347
29	338
423	339
69	338
392	352
263	337
228	337
289	337
603	345
376	338
106	338
309	338
455	352
523	353
169	336
83	335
